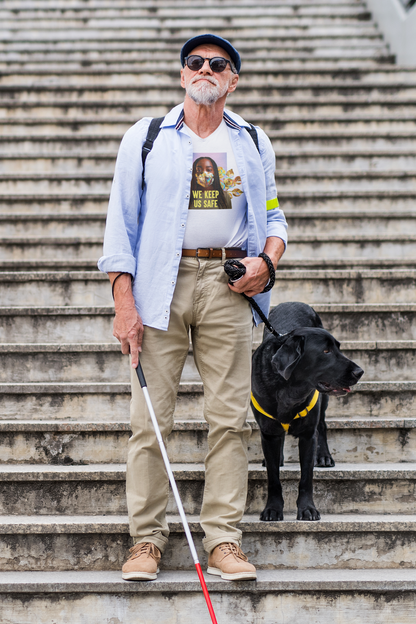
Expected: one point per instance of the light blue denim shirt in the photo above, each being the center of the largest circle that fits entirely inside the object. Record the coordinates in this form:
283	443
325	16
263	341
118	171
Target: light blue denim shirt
145	229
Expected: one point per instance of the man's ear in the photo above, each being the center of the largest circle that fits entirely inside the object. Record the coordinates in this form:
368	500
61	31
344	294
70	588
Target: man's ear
288	356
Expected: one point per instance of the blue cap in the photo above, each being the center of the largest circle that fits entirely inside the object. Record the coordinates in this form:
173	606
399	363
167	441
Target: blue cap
193	43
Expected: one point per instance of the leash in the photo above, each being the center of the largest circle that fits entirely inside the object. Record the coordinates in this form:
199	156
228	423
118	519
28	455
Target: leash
176	494
236	269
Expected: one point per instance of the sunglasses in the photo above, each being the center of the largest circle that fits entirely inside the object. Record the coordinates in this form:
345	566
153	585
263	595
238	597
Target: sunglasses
217	63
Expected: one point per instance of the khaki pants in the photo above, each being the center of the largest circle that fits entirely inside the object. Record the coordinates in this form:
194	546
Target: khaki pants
221	329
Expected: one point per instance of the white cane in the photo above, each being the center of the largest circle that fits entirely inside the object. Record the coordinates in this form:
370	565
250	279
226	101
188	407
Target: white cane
142	381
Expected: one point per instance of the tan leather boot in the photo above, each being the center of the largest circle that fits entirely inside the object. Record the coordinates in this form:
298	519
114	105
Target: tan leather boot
229	562
142	565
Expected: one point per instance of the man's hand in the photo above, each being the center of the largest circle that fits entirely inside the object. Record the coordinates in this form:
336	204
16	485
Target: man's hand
128	325
257	272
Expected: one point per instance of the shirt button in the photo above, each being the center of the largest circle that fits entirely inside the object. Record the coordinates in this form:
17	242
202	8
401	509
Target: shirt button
177	255
190	168
187	196
182	224
173	282
189	142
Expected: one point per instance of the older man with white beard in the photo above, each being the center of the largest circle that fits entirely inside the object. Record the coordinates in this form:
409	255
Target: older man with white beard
206	192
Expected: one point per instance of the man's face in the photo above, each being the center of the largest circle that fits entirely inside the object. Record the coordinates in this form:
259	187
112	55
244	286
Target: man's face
204	86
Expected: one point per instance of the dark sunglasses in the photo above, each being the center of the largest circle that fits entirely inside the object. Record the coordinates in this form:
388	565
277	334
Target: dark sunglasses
217	63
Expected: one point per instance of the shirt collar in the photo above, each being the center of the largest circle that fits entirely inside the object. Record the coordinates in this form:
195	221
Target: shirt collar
176	115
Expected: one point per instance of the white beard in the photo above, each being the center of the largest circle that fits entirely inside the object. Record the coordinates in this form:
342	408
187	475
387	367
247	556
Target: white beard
207	92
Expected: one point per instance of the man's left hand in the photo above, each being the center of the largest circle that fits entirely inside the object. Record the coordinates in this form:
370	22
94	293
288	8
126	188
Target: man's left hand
257	272
255	279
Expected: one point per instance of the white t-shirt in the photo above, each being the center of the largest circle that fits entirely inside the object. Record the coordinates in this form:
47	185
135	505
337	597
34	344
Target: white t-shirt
217	214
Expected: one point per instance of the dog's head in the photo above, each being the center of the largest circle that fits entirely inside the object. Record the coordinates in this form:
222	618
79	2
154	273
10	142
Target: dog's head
313	354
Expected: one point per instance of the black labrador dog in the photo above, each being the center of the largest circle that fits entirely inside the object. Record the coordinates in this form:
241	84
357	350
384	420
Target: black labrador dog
292	377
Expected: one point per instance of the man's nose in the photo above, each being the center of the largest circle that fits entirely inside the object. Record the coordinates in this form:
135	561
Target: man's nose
206	68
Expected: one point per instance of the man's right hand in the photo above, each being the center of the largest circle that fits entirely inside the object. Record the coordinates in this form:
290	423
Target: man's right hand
128	325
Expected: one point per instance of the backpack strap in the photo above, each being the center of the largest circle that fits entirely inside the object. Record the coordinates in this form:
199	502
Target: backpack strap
253	133
153	131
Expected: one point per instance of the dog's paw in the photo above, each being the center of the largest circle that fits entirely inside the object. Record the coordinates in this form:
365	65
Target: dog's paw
324	461
271	515
308	513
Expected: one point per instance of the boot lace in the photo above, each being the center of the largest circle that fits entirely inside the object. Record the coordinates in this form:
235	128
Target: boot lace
146	548
230	548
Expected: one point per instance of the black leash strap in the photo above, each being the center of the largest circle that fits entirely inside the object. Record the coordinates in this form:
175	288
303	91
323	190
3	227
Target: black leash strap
236	269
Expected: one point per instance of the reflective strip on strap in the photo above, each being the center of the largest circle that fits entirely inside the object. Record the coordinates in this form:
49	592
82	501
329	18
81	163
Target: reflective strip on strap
272	203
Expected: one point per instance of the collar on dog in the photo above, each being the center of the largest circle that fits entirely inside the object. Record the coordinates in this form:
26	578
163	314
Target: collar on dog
301	414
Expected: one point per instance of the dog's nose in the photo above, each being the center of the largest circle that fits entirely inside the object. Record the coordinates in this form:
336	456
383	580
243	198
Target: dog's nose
357	373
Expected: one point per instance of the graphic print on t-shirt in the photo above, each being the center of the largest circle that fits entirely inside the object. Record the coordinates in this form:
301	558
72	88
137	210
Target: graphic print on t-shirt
213	186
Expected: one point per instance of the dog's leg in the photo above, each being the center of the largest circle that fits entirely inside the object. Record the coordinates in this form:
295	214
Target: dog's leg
323	456
307	452
272	449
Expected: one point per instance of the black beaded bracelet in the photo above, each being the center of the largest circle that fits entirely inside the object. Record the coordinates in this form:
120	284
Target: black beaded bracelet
272	271
116	278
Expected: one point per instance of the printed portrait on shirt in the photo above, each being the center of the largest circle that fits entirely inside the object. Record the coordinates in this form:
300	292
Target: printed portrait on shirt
212	186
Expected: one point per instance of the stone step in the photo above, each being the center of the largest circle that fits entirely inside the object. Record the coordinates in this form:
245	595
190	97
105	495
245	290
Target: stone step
41	117
88	362
353	220
133	82
308	264
81	127
342	160
97	489
334	246
179	21
383	596
169	94
376	141
156	5
307	201
294	181
245	28
138	85
355	542
43	225
297	60
301	221
350	440
51	248
226	10
90	288
52	324
110	402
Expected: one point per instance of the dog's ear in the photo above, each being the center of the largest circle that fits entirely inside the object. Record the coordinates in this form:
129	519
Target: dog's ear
287	357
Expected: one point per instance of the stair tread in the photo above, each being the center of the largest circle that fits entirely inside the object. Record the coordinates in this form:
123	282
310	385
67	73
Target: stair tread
173	581
192	471
75	524
57	426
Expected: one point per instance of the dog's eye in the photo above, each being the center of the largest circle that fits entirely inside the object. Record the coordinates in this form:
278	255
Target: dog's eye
327	351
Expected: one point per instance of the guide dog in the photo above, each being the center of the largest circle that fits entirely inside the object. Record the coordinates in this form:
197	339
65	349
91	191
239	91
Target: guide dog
292	377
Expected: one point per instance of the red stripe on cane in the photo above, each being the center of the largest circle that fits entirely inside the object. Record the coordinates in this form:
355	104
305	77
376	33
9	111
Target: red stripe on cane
206	594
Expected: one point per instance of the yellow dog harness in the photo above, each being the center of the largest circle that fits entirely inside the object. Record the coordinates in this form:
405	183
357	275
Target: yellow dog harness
301	414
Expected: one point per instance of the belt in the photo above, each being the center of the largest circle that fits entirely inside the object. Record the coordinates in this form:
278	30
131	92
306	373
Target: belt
209	252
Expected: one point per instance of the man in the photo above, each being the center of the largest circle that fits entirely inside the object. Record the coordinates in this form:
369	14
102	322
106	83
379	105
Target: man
164	257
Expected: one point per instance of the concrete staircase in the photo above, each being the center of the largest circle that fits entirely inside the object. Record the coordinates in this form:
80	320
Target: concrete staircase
318	77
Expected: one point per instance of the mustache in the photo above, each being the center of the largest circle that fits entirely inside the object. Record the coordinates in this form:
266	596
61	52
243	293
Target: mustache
210	79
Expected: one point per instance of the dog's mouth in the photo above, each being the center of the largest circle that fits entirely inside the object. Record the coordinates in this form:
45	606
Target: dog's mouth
325	387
